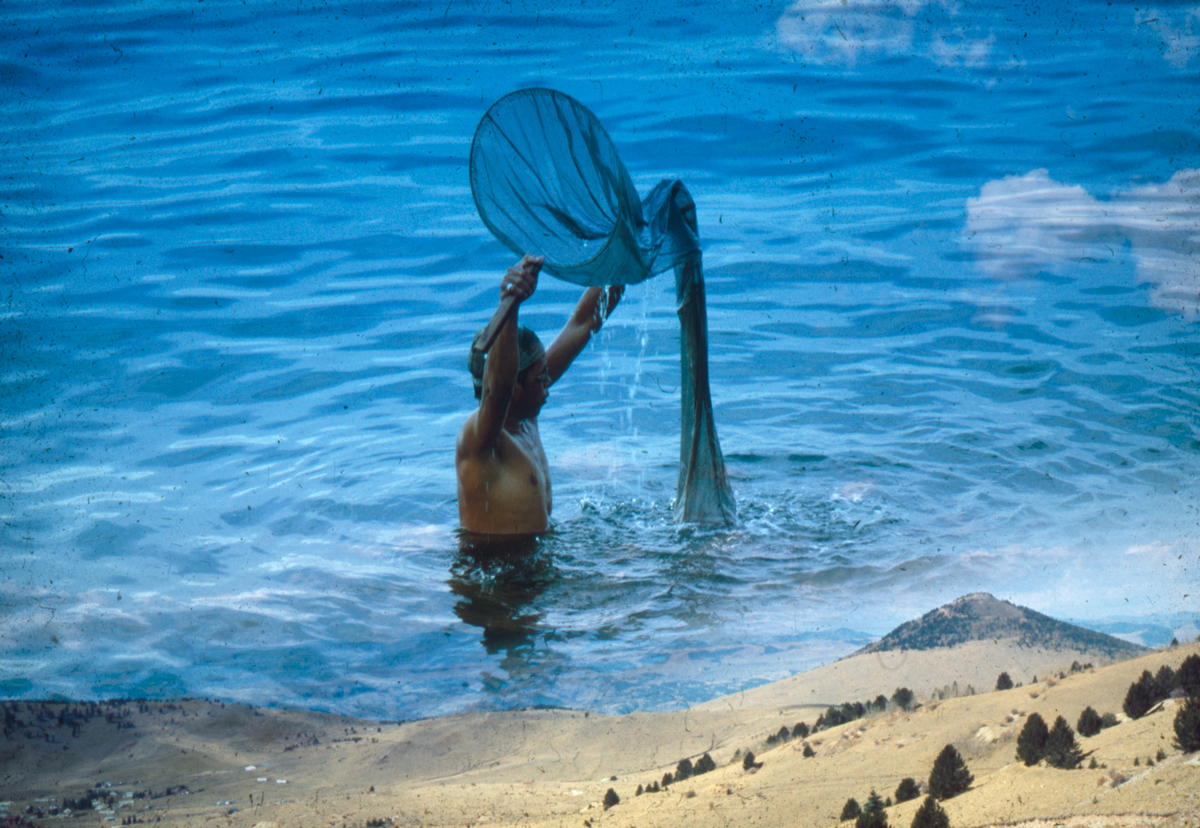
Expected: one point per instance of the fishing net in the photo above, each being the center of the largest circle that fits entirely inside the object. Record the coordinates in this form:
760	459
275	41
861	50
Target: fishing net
547	181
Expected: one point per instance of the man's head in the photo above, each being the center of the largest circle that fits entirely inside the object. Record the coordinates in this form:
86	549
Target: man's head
529	351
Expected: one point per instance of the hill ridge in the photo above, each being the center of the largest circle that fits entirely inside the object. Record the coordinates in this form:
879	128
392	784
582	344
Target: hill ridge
981	616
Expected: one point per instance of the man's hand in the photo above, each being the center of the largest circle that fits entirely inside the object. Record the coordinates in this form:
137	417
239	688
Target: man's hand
520	280
615	292
518	284
602	302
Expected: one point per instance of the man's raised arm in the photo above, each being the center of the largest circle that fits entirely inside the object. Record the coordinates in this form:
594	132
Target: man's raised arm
593	308
500	369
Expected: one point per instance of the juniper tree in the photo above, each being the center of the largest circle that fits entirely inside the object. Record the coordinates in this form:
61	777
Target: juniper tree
830	718
808	751
1165	682
907	789
902	698
873	814
683	770
1140	697
1031	743
1189	675
950	775
1089	723
1004	682
930	815
704	764
1062	751
1187	725
850	810
611	799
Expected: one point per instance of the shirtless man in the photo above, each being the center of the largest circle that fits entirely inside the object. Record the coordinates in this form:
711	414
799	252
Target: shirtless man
503	477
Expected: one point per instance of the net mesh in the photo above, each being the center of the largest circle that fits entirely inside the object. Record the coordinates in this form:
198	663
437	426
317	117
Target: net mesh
547	181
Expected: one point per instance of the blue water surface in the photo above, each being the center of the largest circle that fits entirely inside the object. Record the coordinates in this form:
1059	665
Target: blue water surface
951	257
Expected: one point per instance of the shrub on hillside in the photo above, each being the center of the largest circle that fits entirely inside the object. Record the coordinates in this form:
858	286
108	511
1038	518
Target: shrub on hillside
1089	723
930	815
1062	751
950	775
873	814
611	799
683	770
704	764
850	810
800	731
1165	682
1140	697
1189	675
1004	682
832	717
1187	725
840	714
903	698
1109	720
907	789
1031	742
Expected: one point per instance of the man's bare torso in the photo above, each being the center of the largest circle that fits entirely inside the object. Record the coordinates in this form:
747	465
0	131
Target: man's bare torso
506	491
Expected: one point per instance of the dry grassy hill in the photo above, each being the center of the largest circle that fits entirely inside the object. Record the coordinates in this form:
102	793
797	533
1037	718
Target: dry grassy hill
982	617
268	768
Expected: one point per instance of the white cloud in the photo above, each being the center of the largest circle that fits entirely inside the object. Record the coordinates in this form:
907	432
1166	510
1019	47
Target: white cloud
1156	550
954	49
1180	34
845	31
1163	222
836	31
1020	225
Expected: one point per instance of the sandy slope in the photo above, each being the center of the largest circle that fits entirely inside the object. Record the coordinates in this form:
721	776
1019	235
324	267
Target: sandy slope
245	767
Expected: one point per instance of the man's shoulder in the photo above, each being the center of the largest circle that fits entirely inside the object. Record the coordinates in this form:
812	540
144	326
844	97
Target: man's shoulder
473	443
474	447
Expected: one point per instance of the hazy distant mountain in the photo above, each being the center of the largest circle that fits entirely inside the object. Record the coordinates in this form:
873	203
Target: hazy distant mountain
979	617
